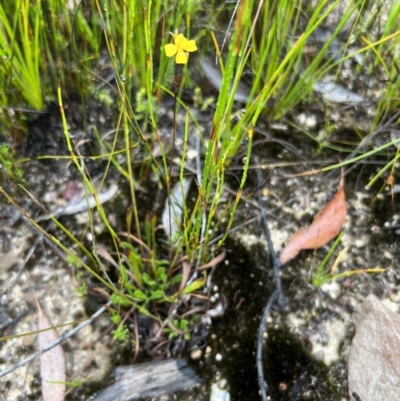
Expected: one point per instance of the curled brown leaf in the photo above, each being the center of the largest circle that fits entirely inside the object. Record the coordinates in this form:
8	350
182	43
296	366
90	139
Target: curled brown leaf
326	226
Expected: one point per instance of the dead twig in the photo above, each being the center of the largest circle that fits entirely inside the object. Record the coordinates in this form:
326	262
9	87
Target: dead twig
277	295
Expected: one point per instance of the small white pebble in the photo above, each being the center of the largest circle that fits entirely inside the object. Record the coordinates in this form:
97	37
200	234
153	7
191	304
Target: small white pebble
217	311
218	357
279	126
191	154
196	354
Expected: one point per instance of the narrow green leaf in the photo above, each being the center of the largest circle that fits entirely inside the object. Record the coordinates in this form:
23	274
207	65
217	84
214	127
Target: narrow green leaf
117	299
148	280
197	284
176	279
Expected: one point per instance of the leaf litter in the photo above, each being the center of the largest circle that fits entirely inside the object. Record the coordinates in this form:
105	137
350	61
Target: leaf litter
326	226
52	362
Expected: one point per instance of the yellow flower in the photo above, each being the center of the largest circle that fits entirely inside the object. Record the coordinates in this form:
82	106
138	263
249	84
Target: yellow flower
180	48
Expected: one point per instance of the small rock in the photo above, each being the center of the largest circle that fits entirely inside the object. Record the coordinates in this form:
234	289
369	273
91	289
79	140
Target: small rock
196	354
218	394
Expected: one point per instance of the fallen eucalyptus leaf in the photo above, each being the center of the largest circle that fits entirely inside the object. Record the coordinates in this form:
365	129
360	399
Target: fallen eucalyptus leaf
52	362
214	75
374	357
332	92
326	226
82	204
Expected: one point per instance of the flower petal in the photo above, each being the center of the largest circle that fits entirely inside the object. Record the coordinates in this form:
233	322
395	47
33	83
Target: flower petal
170	50
190	46
181	57
180	41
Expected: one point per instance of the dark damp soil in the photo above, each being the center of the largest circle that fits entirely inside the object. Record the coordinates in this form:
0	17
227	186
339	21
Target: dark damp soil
290	370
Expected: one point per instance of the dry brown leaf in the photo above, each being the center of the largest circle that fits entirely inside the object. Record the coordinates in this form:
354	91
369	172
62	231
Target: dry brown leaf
326	225
52	362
